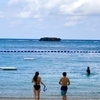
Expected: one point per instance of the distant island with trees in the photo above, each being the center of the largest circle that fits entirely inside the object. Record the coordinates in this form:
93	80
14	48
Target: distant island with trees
49	39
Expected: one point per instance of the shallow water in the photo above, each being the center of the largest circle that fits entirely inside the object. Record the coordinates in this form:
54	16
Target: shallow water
50	65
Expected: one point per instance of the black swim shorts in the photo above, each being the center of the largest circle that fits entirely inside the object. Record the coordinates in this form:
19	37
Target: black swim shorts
37	87
64	88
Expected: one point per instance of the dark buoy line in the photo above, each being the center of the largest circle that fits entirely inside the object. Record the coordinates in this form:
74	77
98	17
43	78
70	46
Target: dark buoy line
52	51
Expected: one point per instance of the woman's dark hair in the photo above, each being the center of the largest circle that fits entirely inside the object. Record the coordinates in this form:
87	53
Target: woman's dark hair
35	76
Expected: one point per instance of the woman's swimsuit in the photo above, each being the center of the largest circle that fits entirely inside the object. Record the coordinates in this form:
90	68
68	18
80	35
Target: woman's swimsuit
37	87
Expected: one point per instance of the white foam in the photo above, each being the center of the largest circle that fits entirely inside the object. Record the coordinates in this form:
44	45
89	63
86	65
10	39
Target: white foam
29	58
8	68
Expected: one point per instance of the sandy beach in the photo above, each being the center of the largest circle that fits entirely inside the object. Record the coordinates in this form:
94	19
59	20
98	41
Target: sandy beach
49	99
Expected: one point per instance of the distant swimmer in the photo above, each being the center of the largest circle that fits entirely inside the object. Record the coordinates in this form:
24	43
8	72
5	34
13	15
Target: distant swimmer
88	70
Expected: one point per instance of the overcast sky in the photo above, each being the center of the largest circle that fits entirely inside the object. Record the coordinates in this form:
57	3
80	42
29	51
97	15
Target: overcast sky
66	19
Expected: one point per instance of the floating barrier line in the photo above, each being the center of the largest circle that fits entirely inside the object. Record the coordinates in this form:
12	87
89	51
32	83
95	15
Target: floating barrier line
52	51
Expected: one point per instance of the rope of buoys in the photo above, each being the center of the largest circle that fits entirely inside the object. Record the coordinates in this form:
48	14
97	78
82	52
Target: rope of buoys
53	51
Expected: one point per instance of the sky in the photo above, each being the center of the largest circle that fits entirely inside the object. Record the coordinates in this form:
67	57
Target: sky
65	19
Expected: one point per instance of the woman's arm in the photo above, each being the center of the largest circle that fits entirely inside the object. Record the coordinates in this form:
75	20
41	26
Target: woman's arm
43	84
32	80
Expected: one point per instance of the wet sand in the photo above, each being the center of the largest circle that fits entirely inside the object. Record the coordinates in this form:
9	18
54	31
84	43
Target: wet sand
48	99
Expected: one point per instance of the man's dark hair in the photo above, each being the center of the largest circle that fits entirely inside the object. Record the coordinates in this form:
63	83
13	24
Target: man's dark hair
64	73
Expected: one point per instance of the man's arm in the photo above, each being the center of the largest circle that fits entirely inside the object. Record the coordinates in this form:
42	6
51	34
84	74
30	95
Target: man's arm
60	82
68	82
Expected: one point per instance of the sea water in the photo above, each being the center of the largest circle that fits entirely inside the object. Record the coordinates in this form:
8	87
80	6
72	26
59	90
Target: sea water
51	59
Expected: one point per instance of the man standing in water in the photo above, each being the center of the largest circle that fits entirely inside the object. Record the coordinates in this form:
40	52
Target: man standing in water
64	82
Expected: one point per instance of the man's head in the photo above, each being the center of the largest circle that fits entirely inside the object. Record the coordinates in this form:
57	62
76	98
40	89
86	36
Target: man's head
64	73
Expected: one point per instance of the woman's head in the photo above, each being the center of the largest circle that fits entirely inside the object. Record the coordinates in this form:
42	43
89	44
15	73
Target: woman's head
36	73
35	76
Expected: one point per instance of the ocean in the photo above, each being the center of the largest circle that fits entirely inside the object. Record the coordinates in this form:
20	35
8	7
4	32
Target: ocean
51	59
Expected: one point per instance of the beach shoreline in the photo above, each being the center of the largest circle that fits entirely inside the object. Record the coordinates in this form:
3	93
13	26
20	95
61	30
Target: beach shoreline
5	98
51	59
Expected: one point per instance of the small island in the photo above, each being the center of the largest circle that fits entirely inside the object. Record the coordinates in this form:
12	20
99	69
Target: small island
49	39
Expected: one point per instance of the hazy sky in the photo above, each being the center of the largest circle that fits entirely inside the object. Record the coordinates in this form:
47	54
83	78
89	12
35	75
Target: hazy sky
66	19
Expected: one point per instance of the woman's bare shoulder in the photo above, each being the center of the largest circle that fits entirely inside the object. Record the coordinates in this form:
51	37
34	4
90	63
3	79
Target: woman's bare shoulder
39	78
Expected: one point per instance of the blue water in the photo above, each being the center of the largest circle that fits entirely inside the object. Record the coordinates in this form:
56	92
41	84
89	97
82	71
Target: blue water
51	59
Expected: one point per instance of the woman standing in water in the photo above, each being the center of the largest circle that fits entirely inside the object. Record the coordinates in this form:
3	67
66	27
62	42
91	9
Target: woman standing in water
36	88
